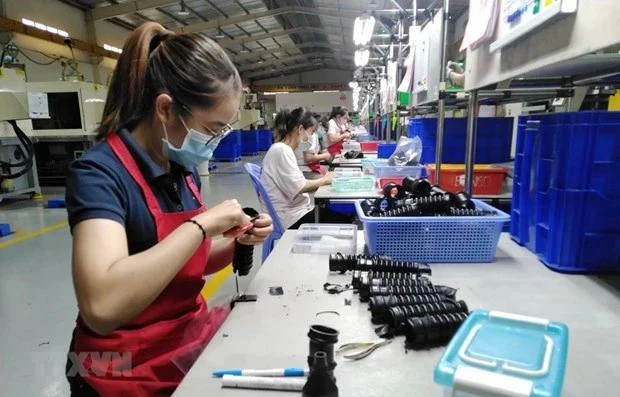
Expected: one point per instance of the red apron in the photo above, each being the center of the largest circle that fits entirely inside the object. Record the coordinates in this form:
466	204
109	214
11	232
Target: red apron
150	356
316	167
336	148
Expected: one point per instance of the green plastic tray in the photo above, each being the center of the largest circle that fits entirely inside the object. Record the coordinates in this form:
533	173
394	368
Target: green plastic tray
353	184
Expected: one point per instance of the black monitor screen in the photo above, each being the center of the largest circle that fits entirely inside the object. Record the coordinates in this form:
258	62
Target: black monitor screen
64	109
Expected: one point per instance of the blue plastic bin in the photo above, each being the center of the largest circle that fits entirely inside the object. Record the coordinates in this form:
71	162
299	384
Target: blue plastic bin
265	139
249	143
495	353
227	152
452	239
5	229
494	139
234	138
385	150
566	195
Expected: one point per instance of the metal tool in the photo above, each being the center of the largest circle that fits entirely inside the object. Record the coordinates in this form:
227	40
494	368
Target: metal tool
363	349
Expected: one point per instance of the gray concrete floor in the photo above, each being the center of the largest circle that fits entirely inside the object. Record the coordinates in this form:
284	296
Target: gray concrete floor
37	302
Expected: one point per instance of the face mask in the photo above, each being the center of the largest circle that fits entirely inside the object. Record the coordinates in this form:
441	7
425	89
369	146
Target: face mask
197	148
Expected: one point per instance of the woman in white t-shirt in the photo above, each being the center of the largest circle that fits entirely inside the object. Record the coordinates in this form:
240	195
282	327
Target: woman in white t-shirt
284	181
309	156
337	131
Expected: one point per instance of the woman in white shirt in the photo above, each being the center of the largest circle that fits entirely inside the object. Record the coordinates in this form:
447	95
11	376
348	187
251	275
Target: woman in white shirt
337	131
284	181
309	156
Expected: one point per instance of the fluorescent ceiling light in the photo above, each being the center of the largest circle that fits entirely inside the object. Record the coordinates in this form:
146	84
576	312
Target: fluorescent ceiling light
274	93
361	57
40	26
363	28
353	84
27	22
44	27
63	33
183	12
112	48
52	30
319	91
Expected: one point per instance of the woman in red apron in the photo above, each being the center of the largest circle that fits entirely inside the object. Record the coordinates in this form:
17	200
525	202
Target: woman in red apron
337	131
309	156
142	238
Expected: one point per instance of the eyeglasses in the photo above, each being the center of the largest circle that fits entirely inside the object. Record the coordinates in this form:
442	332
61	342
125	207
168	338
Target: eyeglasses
215	135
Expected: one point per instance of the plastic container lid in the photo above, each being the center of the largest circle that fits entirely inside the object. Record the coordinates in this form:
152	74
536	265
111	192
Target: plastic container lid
503	354
317	238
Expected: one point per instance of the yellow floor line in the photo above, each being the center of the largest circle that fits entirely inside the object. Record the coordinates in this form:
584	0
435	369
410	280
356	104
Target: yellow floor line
21	237
215	282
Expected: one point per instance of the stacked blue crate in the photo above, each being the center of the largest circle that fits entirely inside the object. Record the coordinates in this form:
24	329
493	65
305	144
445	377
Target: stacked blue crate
230	148
265	139
249	143
494	139
566	195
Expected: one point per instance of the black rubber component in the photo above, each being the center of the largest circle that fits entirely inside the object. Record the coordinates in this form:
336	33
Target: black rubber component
417	187
367	285
341	263
398	315
379	305
436	190
403	210
322	339
414	290
470	212
399	276
243	255
439	204
462	200
432	330
387	191
321	382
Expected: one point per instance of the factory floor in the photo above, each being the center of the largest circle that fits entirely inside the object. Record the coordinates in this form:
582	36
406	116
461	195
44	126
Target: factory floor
37	302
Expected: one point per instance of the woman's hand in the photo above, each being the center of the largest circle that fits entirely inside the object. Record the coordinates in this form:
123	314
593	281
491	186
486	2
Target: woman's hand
263	227
328	178
224	216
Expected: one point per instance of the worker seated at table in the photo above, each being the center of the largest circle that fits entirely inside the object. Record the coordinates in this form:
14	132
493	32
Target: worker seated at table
337	131
142	237
284	181
309	156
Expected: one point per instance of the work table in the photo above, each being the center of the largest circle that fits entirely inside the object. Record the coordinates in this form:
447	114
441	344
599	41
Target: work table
272	332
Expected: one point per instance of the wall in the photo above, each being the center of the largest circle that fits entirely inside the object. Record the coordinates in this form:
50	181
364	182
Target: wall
320	102
312	77
70	19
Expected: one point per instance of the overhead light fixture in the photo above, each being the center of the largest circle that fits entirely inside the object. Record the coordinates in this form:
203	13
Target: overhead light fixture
353	84
243	50
112	48
274	93
41	26
363	28
325	91
361	57
183	11
372	4
220	33
260	61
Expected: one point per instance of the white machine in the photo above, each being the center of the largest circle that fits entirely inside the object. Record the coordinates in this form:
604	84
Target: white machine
247	114
18	171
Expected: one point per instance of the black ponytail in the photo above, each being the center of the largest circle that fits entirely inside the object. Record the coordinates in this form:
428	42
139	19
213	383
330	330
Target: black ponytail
287	121
338	111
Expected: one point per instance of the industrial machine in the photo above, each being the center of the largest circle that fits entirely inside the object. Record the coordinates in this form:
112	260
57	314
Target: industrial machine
18	171
68	126
248	115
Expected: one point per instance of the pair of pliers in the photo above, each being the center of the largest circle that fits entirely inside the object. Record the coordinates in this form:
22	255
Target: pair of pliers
363	348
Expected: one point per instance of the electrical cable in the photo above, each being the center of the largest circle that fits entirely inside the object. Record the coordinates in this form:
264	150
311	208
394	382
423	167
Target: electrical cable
28	161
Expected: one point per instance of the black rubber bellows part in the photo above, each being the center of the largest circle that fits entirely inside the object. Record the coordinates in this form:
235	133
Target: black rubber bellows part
417	187
322	339
399	192
379	305
243	255
436	190
438	204
432	330
320	381
462	200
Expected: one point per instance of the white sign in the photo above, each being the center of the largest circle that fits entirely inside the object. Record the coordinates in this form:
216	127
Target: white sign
37	105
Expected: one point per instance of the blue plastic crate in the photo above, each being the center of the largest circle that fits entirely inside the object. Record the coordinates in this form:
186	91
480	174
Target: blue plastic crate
56	203
566	192
342	208
385	150
432	239
265	139
494	139
234	138
227	152
414	171
5	229
249	143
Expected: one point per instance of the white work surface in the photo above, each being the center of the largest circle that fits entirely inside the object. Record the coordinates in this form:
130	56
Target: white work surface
272	332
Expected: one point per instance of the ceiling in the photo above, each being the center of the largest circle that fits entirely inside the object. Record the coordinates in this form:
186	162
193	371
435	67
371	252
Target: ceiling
267	38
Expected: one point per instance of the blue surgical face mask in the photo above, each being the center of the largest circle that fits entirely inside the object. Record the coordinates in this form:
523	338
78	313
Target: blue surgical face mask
197	148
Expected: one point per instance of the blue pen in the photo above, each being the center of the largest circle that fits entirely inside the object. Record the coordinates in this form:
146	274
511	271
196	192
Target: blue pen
262	372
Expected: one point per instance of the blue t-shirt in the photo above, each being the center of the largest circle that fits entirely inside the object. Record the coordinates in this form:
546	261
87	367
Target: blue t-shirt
99	186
